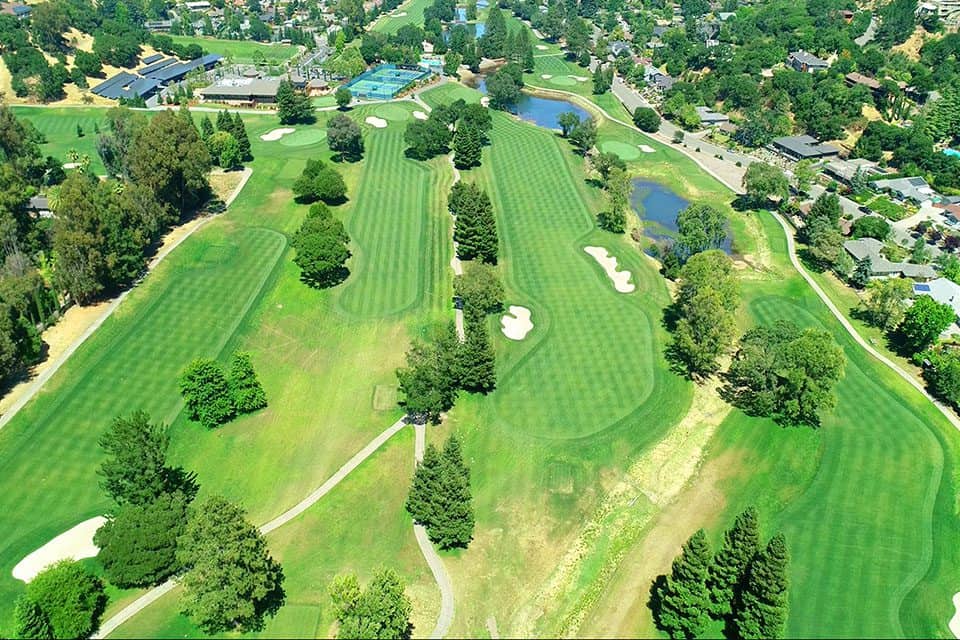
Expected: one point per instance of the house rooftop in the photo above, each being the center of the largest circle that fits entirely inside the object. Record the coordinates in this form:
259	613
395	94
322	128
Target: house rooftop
709	116
802	147
880	266
808	59
915	188
942	290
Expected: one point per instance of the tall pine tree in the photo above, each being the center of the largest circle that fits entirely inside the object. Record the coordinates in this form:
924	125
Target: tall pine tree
240	133
454	518
467	144
762	612
421	502
729	569
30	621
206	127
477	359
224	121
683	602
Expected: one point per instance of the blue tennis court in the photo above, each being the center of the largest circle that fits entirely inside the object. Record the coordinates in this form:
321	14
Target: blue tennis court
385	81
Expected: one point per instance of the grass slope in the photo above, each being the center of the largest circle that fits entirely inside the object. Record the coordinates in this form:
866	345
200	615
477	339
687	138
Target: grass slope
322	369
246	51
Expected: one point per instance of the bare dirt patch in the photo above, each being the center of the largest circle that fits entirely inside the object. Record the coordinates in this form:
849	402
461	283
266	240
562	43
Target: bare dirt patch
222	183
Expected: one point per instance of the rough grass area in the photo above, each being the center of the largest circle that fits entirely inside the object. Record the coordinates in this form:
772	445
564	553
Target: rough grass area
412	11
244	51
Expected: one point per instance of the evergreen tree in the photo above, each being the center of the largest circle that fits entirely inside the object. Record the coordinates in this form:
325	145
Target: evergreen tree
861	275
224	121
248	394
762	612
231	582
475	229
243	140
421	502
467	144
454	519
729	568
294	106
206	127
525	47
206	392
682	600
477	361
135	469
71	598
29	620
495	37
382	610
429	381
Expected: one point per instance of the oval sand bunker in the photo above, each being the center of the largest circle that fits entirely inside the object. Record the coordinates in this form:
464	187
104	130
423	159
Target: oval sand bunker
276	134
73	544
621	279
374	121
420	115
516	324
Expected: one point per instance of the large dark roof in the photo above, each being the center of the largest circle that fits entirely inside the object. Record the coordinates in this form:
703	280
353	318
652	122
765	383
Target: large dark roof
805	147
141	88
152	68
152	59
177	71
113	87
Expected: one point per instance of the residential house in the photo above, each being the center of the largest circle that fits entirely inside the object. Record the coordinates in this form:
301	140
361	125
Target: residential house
806	62
657	79
853	78
710	118
845	170
907	189
880	266
942	290
16	9
620	48
803	148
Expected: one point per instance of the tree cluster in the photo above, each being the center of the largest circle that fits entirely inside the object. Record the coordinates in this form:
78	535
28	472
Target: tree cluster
785	372
475	226
440	497
617	186
321	246
582	134
744	585
464	127
320	181
293	106
504	86
821	232
382	610
228	144
64	600
705	312
213	398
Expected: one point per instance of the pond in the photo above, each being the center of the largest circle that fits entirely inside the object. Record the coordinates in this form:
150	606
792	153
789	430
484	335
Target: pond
475	29
540	111
658	208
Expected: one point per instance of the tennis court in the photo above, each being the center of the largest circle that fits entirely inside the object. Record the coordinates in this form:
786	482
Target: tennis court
384	82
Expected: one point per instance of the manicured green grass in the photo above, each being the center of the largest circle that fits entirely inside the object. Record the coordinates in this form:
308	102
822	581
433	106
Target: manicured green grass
241	50
412	11
223	289
398	226
49	452
59	126
568	408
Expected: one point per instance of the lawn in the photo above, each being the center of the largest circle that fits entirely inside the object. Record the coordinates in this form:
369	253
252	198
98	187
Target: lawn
410	12
570	411
867	501
243	51
230	286
59	126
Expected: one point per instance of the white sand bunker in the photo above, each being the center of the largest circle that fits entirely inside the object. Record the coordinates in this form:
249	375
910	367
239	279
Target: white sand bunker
74	544
646	148
542	47
516	324
545	76
374	121
621	279
954	623
580	78
420	115
276	134
485	101
400	15
71	165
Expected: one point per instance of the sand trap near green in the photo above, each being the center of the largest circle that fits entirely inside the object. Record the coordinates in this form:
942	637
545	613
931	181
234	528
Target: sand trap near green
622	149
392	112
563	81
303	137
73	544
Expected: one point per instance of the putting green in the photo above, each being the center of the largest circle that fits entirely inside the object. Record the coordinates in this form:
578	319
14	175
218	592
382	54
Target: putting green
303	137
563	81
622	149
392	112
